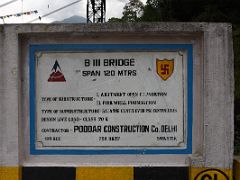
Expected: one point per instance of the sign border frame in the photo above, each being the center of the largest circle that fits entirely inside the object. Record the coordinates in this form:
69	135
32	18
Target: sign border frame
33	48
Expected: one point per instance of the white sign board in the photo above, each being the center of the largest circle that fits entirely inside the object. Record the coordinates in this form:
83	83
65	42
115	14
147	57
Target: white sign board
108	100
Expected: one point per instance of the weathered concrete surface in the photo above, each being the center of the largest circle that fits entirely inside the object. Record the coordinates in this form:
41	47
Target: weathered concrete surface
218	95
9	97
212	89
1	93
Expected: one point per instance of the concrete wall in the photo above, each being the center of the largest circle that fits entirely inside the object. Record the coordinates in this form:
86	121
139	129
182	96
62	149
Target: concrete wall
213	88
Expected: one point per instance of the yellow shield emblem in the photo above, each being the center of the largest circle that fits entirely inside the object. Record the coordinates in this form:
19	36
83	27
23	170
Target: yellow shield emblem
165	68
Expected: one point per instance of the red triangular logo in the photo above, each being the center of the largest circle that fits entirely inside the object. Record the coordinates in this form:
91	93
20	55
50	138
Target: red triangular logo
56	75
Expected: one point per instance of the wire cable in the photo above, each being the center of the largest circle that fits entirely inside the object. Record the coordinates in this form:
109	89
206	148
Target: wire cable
123	1
22	10
54	11
7	3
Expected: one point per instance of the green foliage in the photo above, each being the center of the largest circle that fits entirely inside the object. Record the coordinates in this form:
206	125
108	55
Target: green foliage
158	11
237	127
132	11
115	20
208	16
236	45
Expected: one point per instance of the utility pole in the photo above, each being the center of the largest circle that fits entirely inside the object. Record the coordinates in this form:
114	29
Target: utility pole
96	11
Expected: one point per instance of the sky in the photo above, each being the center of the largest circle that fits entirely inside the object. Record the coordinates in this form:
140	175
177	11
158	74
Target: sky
114	8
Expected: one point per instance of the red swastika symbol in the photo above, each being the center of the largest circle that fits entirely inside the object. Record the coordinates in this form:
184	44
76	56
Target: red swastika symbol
164	69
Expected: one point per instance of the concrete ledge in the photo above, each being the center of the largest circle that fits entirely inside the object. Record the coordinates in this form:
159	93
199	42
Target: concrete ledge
156	27
105	173
117	173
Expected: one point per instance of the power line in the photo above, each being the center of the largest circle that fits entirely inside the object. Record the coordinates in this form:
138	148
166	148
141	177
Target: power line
124	1
54	11
7	3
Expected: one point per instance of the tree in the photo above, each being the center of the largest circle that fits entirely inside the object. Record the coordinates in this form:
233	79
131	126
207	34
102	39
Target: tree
158	10
132	11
